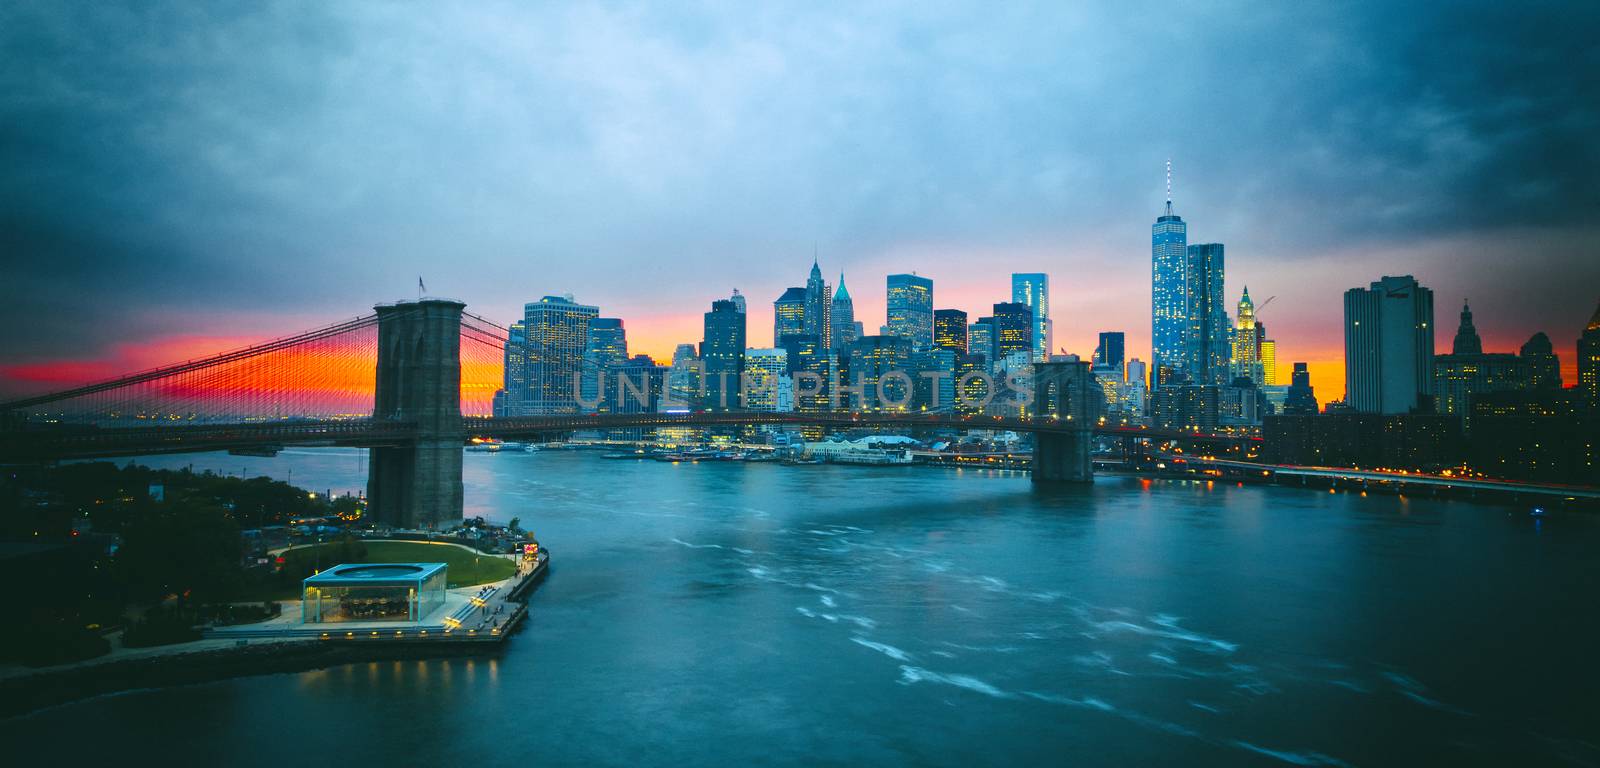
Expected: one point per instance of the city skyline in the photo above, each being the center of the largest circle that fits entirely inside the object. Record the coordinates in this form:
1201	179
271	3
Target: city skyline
235	213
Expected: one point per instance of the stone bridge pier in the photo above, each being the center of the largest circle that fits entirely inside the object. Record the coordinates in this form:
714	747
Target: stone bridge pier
1067	392
418	484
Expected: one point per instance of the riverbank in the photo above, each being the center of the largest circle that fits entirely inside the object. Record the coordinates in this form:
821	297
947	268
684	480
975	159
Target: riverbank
248	653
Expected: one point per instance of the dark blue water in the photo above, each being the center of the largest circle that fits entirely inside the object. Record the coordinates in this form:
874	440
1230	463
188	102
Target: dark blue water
759	614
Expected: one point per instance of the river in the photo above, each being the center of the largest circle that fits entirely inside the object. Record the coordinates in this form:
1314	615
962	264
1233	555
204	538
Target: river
733	614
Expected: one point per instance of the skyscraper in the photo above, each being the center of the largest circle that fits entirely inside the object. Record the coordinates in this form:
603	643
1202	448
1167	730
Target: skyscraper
1388	346
738	299
1544	367
1169	318
1109	353
1033	290
1468	371
683	381
818	305
950	329
1269	356
1247	342
1589	360
513	398
1013	329
788	315
767	386
722	355
1467	341
605	351
980	341
871	358
806	356
843	318
557	332
1207	318
910	313
1302	399
639	385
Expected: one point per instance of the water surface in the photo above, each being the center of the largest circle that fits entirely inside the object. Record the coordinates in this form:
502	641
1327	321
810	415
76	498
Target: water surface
759	614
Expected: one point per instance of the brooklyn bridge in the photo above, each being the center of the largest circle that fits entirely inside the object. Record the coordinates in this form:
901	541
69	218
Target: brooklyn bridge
412	382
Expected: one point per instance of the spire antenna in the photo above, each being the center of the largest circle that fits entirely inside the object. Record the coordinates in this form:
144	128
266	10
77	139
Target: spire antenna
1169	181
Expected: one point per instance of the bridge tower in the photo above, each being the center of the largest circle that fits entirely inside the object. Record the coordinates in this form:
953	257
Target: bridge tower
1067	392
418	484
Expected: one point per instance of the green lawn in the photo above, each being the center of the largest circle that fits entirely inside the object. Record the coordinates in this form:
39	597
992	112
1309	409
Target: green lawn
466	568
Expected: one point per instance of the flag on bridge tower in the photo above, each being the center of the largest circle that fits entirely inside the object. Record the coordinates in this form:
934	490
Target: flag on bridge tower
421	289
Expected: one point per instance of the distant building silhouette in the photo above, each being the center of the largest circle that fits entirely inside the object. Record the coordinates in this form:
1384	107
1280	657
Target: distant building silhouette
1301	398
1468	371
1109	352
1544	366
1589	360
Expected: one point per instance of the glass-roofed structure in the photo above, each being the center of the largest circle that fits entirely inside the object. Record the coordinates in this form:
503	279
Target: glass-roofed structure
373	592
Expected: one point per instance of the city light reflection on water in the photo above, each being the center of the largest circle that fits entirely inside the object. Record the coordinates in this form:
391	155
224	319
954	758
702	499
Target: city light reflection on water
738	614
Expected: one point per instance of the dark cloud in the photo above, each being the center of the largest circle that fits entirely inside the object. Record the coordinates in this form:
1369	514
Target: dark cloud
313	158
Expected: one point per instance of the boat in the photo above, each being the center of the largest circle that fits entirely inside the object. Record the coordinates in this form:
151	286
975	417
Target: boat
871	458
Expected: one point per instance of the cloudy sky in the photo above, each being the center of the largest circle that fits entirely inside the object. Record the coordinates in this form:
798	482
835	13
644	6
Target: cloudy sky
176	179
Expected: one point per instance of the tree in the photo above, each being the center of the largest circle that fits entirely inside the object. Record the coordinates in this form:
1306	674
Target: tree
184	546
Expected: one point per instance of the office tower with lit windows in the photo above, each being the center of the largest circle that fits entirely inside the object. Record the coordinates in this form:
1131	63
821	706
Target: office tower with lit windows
1468	372
639	385
933	379
1208	338
788	315
809	360
950	329
557	335
1136	392
872	360
1033	289
1109	352
607	348
910	314
1013	329
818	306
1247	342
1169	304
842	320
1589	361
682	390
767	386
1269	356
511	400
1544	367
722	355
980	340
1388	346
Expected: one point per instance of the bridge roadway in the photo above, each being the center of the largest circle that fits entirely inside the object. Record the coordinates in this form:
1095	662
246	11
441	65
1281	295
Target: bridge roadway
57	442
1403	478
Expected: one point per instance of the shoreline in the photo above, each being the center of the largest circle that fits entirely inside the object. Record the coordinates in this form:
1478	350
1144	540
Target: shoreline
185	664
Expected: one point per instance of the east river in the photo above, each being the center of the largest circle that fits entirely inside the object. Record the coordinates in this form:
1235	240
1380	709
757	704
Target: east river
734	614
